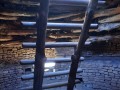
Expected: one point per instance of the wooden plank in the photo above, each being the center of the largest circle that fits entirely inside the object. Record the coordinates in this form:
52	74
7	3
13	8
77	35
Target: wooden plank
11	44
107	12
16	13
19	32
101	13
69	16
108	26
5	38
8	18
115	18
19	2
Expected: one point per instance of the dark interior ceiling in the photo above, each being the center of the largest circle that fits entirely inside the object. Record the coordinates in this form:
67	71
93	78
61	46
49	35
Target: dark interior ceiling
12	12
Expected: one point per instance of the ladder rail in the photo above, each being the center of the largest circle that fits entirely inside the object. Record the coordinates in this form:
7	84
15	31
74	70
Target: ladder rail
83	37
40	58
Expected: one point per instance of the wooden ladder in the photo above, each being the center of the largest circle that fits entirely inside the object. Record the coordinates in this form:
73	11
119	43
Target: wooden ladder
40	45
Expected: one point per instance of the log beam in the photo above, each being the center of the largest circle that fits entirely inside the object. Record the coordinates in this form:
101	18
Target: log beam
5	15
2	17
115	18
102	14
19	32
5	38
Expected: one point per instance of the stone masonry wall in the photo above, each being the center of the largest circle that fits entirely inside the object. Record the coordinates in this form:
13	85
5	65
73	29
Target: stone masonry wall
15	54
109	46
101	73
10	77
11	71
100	70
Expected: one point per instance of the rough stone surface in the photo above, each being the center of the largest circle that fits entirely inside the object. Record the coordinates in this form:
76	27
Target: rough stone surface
13	54
101	71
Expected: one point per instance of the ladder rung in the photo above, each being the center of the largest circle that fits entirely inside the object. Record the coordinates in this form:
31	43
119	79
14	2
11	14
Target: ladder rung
52	85
57	60
61	25
27	62
53	44
63	2
73	2
48	74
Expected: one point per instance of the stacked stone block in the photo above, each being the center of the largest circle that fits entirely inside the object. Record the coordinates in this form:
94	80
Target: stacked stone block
15	54
10	77
101	73
108	47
